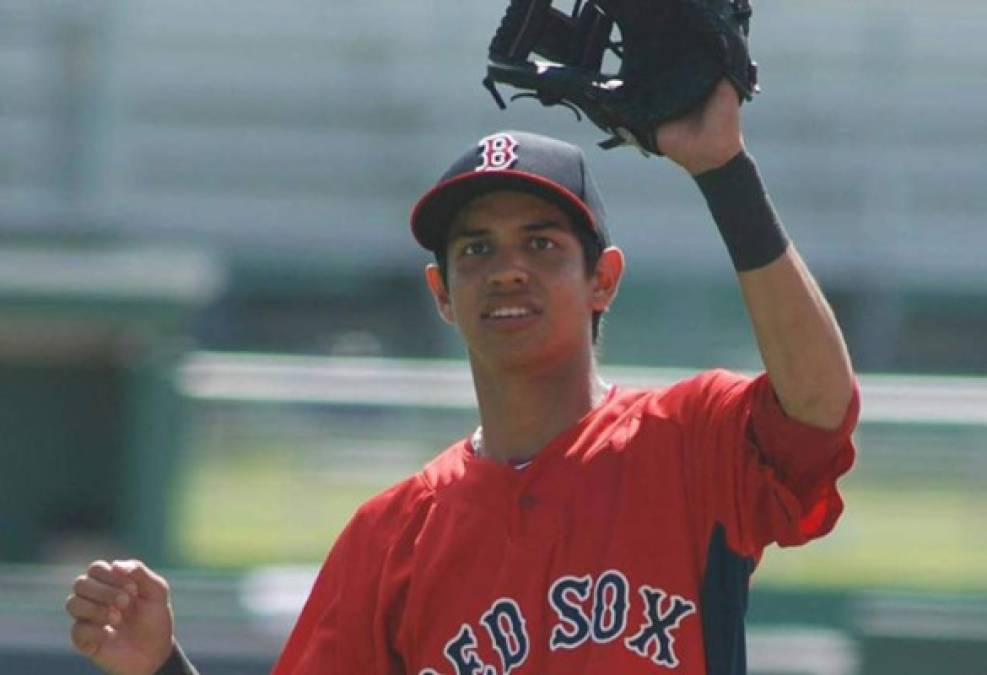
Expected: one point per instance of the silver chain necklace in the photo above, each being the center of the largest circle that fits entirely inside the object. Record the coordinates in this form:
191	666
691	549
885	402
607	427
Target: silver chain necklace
476	440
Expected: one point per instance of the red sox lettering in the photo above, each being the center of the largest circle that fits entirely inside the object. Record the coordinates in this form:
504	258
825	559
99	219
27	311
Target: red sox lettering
586	610
657	627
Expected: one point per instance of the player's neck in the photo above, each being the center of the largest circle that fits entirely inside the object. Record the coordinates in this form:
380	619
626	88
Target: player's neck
520	411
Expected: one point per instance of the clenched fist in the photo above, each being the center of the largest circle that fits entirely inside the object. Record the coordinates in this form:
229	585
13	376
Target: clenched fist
122	617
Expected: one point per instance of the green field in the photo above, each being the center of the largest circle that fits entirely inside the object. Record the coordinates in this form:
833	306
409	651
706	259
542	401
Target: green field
895	538
257	511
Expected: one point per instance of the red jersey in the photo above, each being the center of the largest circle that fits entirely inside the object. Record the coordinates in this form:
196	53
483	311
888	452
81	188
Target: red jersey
626	546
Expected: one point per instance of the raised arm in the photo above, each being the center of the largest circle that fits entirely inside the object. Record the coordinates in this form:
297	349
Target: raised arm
800	342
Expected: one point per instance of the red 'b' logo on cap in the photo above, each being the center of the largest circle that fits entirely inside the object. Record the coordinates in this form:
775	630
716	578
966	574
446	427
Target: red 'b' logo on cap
497	152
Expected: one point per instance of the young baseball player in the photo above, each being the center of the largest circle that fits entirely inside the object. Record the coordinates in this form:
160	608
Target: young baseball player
583	527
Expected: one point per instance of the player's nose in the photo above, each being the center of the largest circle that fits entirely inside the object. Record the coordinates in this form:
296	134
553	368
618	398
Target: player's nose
508	270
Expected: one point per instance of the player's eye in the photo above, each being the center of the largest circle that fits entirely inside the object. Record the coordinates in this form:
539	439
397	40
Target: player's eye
475	248
542	243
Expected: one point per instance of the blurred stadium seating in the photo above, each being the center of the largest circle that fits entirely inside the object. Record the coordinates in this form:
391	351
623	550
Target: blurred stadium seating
291	140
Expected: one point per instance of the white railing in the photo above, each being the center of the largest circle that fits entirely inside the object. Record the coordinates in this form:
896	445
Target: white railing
901	399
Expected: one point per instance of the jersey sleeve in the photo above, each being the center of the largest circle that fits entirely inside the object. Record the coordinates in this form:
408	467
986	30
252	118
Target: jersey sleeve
354	610
177	664
760	474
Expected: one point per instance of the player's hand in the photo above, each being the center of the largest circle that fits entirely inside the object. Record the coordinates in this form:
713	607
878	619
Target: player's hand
122	617
706	138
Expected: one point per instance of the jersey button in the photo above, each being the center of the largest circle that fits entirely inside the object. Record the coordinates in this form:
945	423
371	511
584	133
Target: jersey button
527	501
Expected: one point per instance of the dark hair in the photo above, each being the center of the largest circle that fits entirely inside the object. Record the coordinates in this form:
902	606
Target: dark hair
588	241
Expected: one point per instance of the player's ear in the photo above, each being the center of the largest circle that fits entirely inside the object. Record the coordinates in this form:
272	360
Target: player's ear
433	277
606	278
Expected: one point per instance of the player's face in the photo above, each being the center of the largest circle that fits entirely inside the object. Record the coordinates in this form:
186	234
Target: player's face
518	287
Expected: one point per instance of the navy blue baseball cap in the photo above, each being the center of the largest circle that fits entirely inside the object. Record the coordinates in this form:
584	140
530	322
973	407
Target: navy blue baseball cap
512	160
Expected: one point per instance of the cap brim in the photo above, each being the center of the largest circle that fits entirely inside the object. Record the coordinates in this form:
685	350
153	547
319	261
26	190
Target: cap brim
432	214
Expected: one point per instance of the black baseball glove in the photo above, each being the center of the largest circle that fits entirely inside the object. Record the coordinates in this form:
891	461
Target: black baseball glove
672	53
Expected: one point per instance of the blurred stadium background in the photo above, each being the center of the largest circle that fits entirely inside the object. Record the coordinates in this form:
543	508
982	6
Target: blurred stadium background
215	342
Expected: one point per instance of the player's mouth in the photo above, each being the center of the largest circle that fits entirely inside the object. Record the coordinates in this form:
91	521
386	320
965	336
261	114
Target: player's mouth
511	317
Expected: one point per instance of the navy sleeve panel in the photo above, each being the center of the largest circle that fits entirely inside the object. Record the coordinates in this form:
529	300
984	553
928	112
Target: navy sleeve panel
724	604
